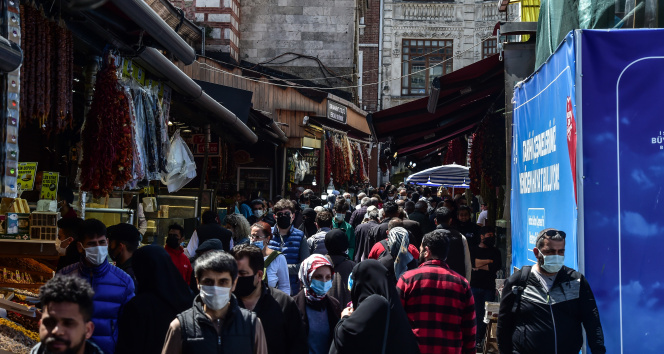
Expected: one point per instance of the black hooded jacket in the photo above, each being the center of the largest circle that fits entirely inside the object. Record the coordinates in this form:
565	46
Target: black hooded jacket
367	329
161	294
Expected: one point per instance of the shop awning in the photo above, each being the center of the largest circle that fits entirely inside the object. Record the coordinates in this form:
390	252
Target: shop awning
266	126
236	100
350	130
223	119
465	97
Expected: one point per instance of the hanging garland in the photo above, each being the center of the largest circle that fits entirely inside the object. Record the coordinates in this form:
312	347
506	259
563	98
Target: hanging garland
456	151
107	136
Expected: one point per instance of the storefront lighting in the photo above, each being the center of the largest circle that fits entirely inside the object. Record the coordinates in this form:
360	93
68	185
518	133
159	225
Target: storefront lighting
307	148
313	183
330	187
170	123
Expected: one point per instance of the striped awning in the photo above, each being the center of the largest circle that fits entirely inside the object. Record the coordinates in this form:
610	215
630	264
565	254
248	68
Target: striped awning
452	174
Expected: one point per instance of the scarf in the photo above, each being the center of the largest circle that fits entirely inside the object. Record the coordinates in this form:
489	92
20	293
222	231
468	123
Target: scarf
397	244
307	270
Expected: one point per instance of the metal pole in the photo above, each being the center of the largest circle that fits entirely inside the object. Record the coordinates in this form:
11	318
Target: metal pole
204	171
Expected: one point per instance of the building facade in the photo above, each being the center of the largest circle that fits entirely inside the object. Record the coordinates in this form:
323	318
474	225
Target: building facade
425	39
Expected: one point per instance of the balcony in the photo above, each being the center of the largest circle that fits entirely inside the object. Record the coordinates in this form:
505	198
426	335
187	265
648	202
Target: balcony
425	11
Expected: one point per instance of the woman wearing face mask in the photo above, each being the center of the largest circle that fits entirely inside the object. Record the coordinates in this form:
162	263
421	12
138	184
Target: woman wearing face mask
276	267
320	312
308	222
376	322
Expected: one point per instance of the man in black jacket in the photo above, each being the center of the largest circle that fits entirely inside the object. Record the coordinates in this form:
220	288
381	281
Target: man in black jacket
543	307
284	330
211	228
215	324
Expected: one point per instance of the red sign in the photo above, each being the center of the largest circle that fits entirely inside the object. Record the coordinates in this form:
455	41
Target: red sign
200	149
571	140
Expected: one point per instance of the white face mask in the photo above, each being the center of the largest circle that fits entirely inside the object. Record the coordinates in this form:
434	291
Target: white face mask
553	263
258	213
96	255
215	297
339	217
61	251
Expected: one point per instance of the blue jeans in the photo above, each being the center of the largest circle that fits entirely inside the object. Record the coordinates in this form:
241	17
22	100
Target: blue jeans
481	295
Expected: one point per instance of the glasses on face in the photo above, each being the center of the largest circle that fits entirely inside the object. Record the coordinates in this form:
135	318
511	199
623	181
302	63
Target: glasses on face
284	213
255	237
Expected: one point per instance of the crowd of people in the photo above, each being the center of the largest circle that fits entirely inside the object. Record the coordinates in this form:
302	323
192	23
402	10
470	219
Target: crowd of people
402	270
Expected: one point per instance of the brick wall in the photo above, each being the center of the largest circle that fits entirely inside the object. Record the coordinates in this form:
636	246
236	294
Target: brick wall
369	36
223	16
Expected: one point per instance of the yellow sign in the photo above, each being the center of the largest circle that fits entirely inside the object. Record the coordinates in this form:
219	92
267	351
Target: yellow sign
26	175
49	188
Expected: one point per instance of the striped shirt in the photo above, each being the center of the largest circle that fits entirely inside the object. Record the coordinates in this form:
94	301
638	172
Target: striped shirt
440	308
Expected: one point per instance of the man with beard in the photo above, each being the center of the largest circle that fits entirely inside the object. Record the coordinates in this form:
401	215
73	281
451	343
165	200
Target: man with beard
66	323
282	323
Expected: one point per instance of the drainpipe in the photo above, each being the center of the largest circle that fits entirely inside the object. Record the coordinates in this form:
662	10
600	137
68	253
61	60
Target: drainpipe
380	58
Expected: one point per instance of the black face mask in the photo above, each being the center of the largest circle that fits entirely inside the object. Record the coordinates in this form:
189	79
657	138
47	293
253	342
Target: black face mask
245	286
284	221
489	241
173	242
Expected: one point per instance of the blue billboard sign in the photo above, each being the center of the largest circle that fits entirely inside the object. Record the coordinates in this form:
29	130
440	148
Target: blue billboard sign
544	157
622	144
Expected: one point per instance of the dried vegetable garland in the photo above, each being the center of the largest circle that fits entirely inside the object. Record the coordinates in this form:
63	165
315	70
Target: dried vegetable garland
47	72
346	162
107	136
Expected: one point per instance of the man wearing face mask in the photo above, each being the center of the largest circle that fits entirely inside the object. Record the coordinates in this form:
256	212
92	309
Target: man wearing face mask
340	209
123	240
351	208
487	261
175	250
289	241
113	287
467	227
66	242
543	307
283	326
260	213
216	323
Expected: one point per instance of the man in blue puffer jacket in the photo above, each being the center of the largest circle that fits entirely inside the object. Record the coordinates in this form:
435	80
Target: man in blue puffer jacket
113	287
290	241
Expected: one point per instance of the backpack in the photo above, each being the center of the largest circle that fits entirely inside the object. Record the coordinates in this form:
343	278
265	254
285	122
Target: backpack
269	260
520	286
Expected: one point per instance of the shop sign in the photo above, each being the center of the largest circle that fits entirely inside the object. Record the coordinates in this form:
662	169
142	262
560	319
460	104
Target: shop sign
336	111
26	175
198	146
49	188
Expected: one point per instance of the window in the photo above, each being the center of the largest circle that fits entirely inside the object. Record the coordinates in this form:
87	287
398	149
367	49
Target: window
489	48
417	56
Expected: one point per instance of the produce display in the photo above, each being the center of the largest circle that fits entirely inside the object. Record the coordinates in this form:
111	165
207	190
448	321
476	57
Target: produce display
29	323
47	72
26	264
16	339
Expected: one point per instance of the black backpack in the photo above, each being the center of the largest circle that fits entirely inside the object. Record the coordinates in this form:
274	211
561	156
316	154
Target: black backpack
520	287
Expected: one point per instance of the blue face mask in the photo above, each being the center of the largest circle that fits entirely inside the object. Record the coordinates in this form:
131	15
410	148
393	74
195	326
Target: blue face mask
321	288
303	206
350	281
258	244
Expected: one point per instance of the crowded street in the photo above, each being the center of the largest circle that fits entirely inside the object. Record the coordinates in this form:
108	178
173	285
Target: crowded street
331	176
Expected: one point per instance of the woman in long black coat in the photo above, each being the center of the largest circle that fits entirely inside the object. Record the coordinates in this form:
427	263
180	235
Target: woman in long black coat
377	323
161	294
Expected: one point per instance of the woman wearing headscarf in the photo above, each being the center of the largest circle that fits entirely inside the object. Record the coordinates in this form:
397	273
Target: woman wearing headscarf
376	322
396	257
309	222
161	293
320	312
336	243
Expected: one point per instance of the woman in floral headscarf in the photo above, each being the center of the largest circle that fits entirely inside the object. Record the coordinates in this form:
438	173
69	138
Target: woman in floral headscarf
320	312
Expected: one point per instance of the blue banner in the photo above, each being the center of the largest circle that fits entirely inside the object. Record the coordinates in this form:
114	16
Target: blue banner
623	183
543	182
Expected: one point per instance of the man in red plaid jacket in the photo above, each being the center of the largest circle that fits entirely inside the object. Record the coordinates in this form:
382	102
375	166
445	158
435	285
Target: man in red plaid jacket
438	301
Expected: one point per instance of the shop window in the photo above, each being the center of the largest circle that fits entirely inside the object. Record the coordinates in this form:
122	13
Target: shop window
419	58
489	48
